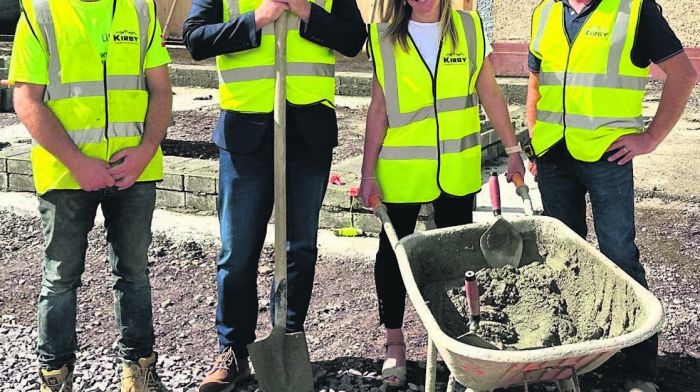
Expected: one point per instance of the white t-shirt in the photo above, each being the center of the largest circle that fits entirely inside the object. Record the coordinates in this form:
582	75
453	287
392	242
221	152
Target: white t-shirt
426	36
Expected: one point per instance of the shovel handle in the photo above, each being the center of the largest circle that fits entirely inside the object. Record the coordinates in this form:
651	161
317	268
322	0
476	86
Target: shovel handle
495	191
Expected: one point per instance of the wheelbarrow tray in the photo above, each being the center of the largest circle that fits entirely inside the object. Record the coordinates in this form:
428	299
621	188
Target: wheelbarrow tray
445	254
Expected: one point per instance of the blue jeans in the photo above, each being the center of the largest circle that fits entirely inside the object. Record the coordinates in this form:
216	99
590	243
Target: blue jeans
245	204
564	182
67	217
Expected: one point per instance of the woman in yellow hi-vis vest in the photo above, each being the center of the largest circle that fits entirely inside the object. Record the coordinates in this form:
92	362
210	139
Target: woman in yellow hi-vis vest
422	143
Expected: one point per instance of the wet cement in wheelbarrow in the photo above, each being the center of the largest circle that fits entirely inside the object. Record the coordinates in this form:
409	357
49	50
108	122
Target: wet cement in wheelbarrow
535	306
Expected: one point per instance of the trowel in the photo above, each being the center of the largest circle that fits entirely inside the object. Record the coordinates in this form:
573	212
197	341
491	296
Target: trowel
471	291
501	244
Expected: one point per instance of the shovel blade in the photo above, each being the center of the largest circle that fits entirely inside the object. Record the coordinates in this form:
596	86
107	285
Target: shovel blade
502	245
282	362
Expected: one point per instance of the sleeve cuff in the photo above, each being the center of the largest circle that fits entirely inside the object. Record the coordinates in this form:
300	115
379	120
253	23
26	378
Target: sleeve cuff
316	17
669	57
248	19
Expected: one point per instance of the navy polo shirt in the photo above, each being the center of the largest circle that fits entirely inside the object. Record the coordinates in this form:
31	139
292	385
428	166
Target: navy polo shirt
654	42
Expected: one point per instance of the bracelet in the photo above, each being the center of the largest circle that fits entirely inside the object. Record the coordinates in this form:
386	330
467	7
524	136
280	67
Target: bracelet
368	178
513	149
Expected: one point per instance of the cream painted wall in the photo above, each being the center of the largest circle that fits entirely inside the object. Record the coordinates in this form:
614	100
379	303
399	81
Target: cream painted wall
512	19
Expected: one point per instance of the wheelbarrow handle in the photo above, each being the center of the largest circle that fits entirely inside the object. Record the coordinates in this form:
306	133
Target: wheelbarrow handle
380	212
524	192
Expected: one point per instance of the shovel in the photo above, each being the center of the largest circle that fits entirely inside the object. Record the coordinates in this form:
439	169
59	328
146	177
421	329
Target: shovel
501	244
281	360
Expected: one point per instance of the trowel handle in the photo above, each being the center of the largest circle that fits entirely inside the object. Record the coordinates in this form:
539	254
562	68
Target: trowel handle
518	180
471	290
495	191
524	192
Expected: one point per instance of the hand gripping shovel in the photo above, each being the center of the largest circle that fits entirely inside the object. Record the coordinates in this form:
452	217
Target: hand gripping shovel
281	360
501	244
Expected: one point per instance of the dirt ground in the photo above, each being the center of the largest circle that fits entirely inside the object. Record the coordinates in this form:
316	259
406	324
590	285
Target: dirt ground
190	136
342	325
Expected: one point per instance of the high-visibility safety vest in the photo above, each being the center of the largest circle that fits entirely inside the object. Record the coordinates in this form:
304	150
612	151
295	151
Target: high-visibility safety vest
433	142
102	106
591	91
247	78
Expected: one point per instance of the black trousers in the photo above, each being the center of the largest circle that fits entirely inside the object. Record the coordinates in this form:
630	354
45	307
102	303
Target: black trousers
391	292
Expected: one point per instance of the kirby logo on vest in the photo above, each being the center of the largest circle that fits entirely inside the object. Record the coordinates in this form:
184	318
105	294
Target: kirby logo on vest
597	32
454	59
125	37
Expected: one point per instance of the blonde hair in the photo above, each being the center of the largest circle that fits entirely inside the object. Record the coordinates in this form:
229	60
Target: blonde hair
398	13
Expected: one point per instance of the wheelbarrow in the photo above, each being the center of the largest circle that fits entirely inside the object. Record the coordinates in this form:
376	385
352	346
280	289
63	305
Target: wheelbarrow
593	286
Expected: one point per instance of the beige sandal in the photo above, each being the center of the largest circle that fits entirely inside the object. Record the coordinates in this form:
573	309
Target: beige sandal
395	372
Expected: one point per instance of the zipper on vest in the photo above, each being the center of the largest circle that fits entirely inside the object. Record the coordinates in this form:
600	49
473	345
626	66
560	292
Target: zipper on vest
566	68
104	79
104	83
566	75
433	78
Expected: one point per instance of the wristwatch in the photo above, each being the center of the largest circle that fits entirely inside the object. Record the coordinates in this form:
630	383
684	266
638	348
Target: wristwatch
513	149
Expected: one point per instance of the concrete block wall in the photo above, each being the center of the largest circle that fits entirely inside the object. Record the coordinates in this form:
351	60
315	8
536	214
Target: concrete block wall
16	169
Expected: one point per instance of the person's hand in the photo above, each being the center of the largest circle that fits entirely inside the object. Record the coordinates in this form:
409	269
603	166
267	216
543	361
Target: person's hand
300	8
268	12
515	165
630	146
128	164
368	188
532	168
92	174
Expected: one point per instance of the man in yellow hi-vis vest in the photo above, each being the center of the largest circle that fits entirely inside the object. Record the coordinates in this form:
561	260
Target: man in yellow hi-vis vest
240	34
93	90
589	63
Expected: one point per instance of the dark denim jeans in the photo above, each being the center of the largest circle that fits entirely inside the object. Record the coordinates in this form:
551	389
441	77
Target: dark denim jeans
67	217
563	183
245	204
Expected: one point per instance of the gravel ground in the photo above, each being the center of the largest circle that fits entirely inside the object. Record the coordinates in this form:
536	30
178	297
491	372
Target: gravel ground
344	339
7	119
190	136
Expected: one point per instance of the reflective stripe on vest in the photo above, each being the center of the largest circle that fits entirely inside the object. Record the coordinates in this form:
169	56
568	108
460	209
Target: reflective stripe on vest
414	166
591	91
102	106
246	78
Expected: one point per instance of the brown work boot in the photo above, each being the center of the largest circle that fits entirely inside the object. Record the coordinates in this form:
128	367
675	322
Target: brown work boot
226	372
141	376
60	380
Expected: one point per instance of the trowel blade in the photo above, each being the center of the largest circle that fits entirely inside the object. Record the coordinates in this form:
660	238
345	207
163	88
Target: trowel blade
501	245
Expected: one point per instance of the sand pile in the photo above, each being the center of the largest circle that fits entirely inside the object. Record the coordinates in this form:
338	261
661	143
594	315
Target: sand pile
521	308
